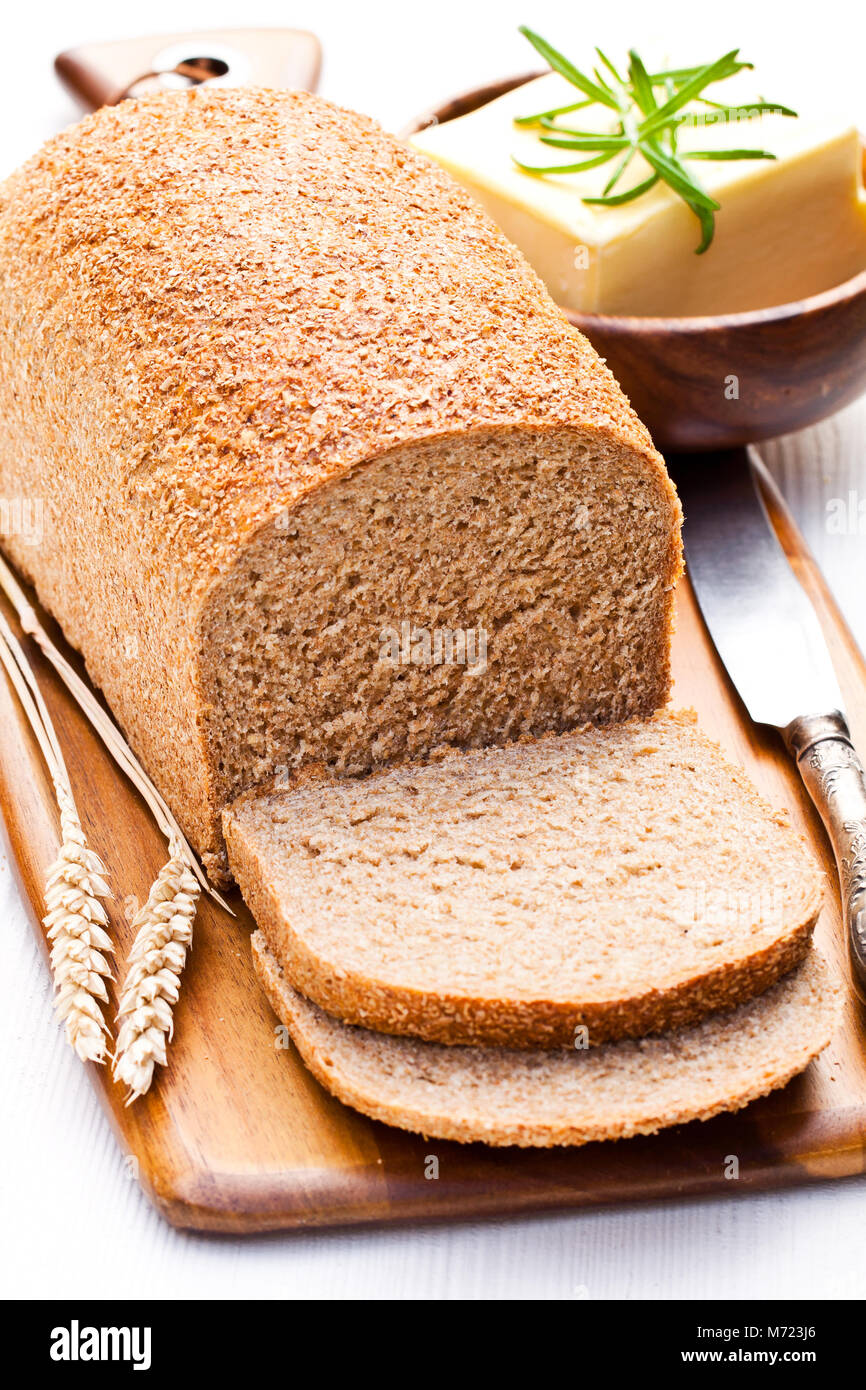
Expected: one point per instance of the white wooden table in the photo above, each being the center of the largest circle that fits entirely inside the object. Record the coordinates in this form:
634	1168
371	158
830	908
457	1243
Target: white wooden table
73	1223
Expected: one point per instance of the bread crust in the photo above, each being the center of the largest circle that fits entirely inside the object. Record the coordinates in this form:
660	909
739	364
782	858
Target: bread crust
212	303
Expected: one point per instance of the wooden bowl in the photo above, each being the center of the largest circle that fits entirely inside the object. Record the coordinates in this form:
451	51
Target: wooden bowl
795	363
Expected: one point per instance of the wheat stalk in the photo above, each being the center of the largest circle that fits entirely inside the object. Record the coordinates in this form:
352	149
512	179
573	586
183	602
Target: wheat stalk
107	730
164	925
152	984
75	920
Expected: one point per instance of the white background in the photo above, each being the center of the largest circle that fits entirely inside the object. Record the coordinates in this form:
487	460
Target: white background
72	1223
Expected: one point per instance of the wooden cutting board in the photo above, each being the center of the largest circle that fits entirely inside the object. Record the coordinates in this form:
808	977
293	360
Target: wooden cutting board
237	1136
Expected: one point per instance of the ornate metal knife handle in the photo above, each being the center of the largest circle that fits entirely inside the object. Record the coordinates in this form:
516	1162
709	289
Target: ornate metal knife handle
835	780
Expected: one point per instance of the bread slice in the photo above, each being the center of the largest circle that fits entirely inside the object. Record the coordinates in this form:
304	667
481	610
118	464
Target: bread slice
504	1096
624	880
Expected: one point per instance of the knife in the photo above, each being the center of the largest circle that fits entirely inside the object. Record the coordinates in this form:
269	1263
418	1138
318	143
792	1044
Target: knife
768	636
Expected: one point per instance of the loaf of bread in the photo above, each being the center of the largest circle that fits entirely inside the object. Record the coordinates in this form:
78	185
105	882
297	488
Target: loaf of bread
501	1095
621	880
300	421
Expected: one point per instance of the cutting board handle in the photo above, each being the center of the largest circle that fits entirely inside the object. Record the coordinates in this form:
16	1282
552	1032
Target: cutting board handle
102	74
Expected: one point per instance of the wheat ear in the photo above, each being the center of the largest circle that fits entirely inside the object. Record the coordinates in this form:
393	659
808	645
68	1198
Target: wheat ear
152	984
75	920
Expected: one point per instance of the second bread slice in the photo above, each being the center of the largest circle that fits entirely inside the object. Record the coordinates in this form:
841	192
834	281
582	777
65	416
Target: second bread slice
502	1095
619	880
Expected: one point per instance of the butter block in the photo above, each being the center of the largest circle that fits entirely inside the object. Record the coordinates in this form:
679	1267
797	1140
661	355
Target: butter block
787	227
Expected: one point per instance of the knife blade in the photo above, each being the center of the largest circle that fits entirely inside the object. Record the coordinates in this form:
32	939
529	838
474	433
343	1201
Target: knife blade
768	636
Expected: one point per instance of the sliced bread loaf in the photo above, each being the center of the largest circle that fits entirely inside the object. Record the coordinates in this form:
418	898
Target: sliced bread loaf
504	1096
624	879
323	473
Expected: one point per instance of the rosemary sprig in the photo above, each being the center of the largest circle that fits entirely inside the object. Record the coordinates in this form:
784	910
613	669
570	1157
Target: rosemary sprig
650	110
560	64
549	115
